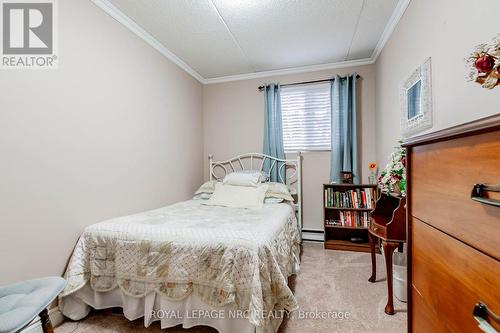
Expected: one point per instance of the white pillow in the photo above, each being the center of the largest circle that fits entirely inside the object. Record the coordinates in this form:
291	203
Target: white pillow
202	196
278	190
264	177
244	178
207	187
238	196
273	200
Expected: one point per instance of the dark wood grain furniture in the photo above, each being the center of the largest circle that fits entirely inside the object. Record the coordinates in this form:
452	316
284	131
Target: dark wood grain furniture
388	223
45	322
454	228
338	237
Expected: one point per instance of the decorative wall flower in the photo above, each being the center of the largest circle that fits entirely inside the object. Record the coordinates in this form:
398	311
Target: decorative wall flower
484	64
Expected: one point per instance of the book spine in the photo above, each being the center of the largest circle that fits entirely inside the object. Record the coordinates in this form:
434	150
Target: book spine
369	197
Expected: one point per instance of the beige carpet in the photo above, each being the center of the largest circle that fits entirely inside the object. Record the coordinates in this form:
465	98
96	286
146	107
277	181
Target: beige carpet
329	281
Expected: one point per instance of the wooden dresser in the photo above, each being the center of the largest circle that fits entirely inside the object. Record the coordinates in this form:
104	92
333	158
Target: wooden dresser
453	239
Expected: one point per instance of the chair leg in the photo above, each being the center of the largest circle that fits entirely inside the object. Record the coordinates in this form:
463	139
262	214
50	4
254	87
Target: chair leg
45	320
389	248
372	239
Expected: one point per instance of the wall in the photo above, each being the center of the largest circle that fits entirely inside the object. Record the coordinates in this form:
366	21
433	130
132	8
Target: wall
447	31
115	130
233	123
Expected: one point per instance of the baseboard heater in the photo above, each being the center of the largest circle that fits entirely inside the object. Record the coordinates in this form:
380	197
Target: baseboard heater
313	235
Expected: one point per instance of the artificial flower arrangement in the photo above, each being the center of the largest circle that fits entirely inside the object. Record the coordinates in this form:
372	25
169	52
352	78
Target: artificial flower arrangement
393	177
484	64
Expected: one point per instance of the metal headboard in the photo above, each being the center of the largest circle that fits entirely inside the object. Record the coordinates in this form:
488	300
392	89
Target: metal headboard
256	161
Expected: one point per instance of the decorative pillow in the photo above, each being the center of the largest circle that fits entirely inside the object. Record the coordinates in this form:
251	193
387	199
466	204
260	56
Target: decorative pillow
273	200
278	190
207	187
244	178
238	196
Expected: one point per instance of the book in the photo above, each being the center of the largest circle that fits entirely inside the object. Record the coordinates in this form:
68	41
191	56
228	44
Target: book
357	198
351	219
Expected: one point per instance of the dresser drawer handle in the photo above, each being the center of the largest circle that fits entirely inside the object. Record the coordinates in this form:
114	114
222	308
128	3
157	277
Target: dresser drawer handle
481	313
478	192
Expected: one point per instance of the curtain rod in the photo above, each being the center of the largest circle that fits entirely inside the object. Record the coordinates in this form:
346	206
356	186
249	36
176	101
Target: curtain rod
305	82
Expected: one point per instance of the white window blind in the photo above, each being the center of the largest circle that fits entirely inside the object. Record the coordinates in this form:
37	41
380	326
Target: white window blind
305	110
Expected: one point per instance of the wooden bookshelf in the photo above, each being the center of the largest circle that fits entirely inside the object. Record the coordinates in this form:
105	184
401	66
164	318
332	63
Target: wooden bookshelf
342	203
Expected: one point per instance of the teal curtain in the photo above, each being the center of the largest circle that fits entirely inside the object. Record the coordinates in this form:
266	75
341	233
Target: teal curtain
273	131
344	130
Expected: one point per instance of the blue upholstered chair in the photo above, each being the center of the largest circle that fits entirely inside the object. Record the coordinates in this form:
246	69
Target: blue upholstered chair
22	302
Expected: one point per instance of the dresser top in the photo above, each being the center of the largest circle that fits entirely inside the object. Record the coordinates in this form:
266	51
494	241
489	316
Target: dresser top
483	125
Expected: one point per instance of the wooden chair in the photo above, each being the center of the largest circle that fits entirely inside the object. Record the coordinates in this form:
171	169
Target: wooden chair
388	223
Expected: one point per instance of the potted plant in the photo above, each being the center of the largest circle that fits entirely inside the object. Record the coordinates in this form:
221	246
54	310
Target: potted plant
393	177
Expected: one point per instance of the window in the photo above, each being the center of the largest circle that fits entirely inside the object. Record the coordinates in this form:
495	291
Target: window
306	114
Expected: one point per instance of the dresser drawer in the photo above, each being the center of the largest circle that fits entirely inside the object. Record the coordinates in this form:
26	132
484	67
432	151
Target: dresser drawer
425	320
450	277
442	176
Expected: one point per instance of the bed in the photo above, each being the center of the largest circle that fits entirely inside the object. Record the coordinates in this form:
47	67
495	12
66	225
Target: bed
194	264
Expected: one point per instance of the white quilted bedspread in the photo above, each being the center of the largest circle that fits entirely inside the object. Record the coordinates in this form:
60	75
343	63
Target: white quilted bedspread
226	255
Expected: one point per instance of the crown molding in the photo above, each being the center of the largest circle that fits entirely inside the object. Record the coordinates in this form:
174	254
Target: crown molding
122	18
293	70
389	27
118	15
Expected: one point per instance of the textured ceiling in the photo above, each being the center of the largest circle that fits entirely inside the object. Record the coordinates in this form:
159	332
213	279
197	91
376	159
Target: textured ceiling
218	38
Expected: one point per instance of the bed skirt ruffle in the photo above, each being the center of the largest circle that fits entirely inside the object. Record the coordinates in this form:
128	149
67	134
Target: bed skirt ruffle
189	312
